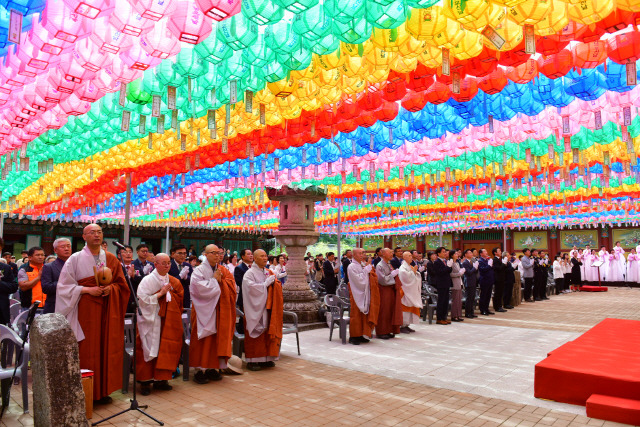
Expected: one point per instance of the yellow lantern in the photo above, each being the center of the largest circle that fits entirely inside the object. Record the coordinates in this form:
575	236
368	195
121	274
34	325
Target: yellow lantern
306	89
494	13
470	11
311	105
629	5
529	12
261	97
355	84
554	20
281	88
404	65
377	76
353	65
328	78
469	47
425	24
292	113
451	35
507	3
308	73
380	59
411	48
330	61
431	56
356	49
389	40
506	30
590	11
330	95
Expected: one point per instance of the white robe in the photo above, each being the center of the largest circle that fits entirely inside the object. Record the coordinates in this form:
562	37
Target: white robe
633	271
79	266
619	264
412	288
360	286
205	294
149	323
604	268
254	295
585	257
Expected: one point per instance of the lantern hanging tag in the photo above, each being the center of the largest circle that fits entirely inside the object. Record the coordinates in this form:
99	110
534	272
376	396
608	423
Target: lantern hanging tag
490	118
123	94
233	91
263	114
225	146
446	64
529	40
143	124
126	118
160	124
171	97
155	106
174	119
567	144
496	39
455	83
632	76
626	111
597	117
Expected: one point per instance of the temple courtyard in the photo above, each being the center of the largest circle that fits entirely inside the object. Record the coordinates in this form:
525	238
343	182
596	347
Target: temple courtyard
476	373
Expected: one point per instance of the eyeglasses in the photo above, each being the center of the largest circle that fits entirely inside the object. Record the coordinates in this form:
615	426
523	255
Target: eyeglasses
94	232
181	253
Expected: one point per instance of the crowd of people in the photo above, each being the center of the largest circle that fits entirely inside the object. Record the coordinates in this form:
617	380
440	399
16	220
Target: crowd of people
90	289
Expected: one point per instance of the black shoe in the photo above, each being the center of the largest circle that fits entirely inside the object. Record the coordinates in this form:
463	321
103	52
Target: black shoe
405	330
363	340
383	337
352	340
410	330
529	300
200	378
501	310
470	316
145	388
392	335
457	319
538	299
546	298
510	307
103	401
162	385
491	312
484	313
270	364
254	367
213	375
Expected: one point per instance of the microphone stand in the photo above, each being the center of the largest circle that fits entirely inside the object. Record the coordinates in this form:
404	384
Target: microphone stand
134	402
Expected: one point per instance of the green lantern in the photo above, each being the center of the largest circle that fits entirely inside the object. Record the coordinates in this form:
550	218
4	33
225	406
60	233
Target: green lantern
136	94
237	32
344	11
189	65
259	53
234	68
323	46
275	71
262	12
298	60
355	31
282	38
384	15
312	24
213	50
167	75
296	6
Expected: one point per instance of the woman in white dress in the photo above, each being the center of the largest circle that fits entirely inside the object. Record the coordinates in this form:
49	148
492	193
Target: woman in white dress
566	271
632	267
232	262
603	256
619	263
591	273
280	269
585	257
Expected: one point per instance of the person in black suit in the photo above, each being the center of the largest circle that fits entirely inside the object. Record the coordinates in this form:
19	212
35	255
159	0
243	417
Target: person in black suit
396	261
181	270
376	257
576	274
8	285
14	267
246	259
471	277
442	282
331	271
487	278
345	264
510	279
499	275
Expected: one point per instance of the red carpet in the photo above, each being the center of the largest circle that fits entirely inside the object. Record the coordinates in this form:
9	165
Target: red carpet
614	409
588	288
603	361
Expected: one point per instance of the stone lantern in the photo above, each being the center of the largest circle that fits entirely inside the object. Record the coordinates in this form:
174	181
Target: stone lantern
296	232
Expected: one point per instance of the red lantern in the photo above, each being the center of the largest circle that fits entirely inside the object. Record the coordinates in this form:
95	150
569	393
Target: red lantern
414	101
448	79
394	90
589	55
483	64
557	65
617	20
348	110
366	120
370	100
438	93
468	90
514	57
624	48
494	82
589	33
388	111
523	73
549	45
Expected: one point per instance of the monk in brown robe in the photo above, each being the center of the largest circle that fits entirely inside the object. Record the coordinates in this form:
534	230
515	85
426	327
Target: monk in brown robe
364	296
94	301
263	311
390	315
160	332
213	316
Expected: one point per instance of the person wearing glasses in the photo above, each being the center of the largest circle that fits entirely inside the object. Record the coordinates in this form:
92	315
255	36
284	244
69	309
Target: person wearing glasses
181	270
213	316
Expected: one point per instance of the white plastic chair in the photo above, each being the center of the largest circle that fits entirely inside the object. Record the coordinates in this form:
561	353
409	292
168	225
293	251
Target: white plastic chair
7	333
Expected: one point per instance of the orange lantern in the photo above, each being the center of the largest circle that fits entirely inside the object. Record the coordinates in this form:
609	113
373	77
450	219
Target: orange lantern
524	72
468	90
494	82
556	65
414	101
624	48
616	21
438	93
549	45
589	55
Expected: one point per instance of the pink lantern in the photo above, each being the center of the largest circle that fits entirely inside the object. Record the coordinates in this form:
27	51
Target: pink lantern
33	57
35	101
53	119
138	59
105	82
107	38
73	71
160	42
74	106
89	92
9	73
121	71
124	18
57	80
90	56
92	9
42	40
188	23
219	10
63	24
154	9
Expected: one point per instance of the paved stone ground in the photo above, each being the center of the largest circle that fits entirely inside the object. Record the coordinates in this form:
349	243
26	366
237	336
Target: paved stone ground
440	376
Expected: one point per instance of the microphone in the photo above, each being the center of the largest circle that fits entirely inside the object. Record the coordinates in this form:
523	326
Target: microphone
118	244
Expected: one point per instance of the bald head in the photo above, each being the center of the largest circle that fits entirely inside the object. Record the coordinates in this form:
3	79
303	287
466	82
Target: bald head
163	264
358	254
92	234
386	254
260	258
407	257
213	254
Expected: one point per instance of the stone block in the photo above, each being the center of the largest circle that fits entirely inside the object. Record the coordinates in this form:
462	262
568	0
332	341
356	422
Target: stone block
58	398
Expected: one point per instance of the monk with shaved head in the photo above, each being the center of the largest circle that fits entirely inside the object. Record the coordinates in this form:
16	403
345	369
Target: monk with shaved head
92	294
263	310
160	330
364	296
213	316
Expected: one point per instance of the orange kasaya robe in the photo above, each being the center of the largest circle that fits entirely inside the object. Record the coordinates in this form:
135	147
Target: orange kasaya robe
268	343
405	309
102	320
171	338
390	314
363	324
206	352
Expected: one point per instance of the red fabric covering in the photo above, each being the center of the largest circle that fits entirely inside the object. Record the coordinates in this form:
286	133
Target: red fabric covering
593	289
615	409
601	361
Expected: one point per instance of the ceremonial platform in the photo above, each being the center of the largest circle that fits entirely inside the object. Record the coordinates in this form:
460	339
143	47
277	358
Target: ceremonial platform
588	288
600	370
